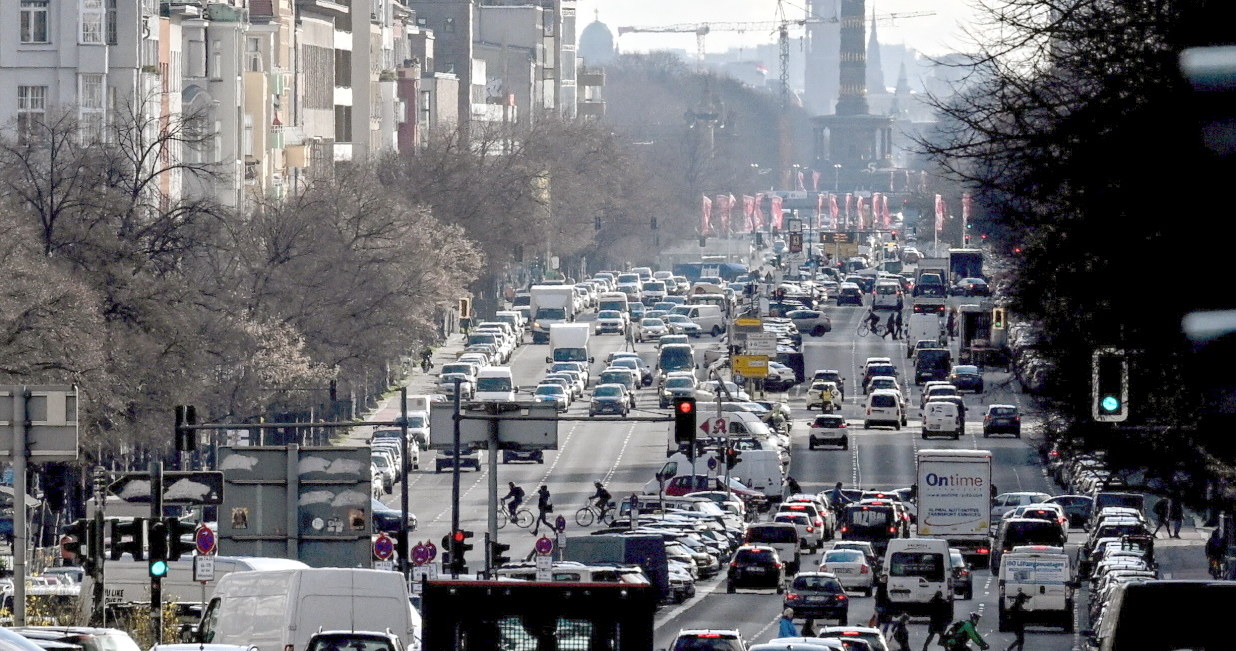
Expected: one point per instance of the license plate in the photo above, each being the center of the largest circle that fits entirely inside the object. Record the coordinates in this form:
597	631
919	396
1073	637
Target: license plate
843	570
817	600
755	570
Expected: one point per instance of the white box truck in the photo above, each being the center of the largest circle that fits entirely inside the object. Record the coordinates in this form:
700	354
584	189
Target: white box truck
550	304
568	342
954	500
280	610
1044	576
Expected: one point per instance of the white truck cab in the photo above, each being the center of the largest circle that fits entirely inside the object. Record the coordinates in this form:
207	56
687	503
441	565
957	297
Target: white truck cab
1043	573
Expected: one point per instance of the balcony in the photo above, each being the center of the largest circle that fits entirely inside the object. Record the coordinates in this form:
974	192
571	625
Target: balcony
594	78
591	108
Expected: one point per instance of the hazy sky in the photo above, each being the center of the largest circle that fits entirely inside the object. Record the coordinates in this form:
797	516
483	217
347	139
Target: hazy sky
934	35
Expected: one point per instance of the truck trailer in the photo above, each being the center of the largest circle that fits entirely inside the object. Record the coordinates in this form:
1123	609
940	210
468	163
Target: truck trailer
954	500
550	304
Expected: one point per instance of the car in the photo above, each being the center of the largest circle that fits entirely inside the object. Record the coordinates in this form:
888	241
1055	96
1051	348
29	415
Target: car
780	377
820	388
610	321
669	339
755	565
84	638
682	325
636	364
883	369
971	287
1009	501
818	595
851	568
831	375
966	378
872	636
1002	419
809	534
609	399
1077	508
628	378
812	322
849	293
574	383
650	329
567	383
387	519
865	546
936	389
910	255
828	429
676	385
963	578
447	382
555	393
884	407
708	639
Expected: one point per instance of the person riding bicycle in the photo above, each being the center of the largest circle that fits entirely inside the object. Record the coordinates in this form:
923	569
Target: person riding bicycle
516	496
873	320
961	633
602	498
837	498
426	358
1214	552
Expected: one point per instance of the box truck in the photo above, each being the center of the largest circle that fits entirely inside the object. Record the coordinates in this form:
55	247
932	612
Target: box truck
646	551
954	500
550	304
568	342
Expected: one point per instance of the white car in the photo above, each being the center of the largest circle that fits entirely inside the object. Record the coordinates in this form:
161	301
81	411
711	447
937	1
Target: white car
576	384
610	321
446	385
808	533
851	568
650	329
681	325
554	393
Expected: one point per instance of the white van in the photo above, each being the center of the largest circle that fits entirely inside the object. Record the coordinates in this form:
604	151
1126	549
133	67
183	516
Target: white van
1044	574
887	295
942	418
915	569
760	470
281	609
884	408
495	384
709	317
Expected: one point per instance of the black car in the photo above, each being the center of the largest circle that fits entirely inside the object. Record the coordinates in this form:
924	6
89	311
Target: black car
966	378
1002	419
755	566
386	519
609	399
523	455
972	287
818	595
1077	508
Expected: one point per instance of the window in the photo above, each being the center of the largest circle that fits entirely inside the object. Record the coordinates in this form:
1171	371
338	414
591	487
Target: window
91	106
34	21
112	39
93	19
31	110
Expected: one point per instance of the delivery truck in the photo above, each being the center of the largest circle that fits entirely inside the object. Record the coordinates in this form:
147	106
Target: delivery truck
646	551
964	263
954	500
568	342
550	304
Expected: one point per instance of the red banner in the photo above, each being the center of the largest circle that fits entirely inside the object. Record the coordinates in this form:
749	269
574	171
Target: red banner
775	211
860	205
834	210
722	210
759	212
815	180
819	210
888	217
941	209
706	217
849	209
801	186
748	213
876	217
967	204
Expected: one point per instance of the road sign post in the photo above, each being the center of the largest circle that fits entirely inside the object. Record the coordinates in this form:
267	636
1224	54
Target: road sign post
204	540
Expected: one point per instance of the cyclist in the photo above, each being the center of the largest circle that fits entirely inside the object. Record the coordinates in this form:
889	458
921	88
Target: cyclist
1214	552
838	498
602	498
963	632
426	359
516	496
873	320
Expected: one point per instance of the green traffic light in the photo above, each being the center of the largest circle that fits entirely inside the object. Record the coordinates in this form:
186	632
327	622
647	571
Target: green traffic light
158	569
1110	403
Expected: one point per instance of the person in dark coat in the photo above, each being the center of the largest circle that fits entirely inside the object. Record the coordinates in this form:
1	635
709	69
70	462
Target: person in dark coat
1017	621
901	632
545	506
940	615
1175	517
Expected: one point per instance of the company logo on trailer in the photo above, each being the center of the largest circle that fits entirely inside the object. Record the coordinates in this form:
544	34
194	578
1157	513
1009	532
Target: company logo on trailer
933	479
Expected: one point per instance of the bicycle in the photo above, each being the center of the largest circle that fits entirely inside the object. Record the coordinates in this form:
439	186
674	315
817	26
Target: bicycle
590	513
523	518
864	328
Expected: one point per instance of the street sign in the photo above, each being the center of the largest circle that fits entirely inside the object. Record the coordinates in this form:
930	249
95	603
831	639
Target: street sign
431	551
560	524
761	343
50	421
841	237
712	463
383	547
528	426
544	546
198	488
544	568
751	365
420	554
385	566
203	568
204	539
715	426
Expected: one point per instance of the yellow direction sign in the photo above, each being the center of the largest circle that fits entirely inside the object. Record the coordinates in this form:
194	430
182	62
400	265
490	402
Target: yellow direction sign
751	365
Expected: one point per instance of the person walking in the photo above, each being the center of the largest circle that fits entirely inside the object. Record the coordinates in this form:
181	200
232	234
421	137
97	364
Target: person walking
883	609
888	326
808	628
792	485
897	324
1175	516
1160	516
544	506
901	632
1214	553
1017	621
952	324
785	628
939	614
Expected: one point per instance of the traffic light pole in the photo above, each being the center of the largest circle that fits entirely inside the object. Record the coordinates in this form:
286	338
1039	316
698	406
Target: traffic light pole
455	467
492	525
402	543
21	537
156	583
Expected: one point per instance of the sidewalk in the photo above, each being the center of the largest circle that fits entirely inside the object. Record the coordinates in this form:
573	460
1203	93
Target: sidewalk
418	383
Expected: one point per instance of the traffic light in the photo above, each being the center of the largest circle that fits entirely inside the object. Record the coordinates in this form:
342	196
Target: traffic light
459	549
596	224
997	318
1110	385
703	241
176	531
76	543
447	556
158	549
186	439
127	538
731	458
759	239
967	239
497	554
684	421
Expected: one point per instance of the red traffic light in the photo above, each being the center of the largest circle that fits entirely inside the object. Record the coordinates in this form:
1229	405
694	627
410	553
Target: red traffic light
686	407
458	536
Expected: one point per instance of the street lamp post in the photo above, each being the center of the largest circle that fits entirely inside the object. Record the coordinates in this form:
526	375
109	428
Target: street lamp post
836	178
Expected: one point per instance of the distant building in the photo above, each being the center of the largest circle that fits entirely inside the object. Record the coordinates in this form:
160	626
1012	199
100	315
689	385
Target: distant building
596	44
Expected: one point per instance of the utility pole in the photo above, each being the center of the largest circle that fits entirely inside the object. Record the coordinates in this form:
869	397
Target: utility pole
402	543
156	582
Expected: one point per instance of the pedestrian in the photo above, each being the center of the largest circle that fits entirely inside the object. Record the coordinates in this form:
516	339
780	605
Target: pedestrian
1160	516
793	486
888	326
1175	516
1017	621
786	626
952	324
939	614
544	506
1214	552
808	628
901	632
883	608
897	316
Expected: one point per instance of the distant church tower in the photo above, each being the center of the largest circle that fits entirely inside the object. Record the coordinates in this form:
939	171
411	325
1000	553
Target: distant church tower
875	71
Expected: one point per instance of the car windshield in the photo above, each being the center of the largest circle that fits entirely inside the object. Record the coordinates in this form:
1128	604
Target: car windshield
816	582
677	318
349	643
493	384
457	368
1003	411
677	358
965	370
609	314
651	323
753	556
417	421
626	362
844	556
1033	533
548	390
926	565
607	392
828	421
616	377
678	383
654	286
883	400
709	643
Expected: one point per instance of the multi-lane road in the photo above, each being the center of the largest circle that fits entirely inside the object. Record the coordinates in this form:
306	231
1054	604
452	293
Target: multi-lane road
624	455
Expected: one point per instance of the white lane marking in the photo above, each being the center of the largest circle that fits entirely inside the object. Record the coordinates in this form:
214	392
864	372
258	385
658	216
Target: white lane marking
767	626
561	449
700	593
618	459
481	476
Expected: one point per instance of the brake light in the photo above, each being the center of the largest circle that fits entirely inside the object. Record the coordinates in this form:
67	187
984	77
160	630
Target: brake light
791	596
810	529
965	572
841	597
710	636
892	529
779	565
864	570
841	426
733	563
845	528
983	550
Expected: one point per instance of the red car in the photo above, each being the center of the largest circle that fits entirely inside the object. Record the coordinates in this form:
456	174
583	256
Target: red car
682	485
